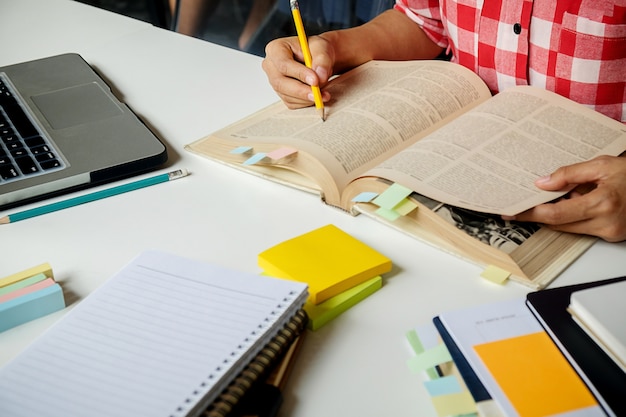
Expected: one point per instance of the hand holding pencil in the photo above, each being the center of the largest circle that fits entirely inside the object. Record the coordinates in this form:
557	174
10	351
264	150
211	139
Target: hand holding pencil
287	70
308	61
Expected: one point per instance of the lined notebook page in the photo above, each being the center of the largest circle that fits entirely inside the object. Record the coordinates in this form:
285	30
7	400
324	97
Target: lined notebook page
160	338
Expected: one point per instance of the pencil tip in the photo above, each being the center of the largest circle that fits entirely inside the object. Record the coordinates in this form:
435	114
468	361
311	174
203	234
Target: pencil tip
5	220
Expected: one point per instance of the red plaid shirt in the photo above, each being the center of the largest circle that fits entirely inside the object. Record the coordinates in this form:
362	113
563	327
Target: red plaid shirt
576	48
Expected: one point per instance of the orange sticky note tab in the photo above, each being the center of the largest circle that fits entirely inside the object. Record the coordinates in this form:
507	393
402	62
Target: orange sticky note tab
534	375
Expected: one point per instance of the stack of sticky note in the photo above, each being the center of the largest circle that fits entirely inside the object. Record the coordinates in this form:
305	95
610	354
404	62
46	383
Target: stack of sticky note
339	269
28	295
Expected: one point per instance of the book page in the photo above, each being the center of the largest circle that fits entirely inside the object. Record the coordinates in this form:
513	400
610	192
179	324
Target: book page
376	109
486	160
161	338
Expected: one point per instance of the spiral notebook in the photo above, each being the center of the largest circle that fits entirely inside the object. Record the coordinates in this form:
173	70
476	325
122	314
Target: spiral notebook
166	336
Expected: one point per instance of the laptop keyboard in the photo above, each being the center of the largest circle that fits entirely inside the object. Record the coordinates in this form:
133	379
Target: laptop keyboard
24	149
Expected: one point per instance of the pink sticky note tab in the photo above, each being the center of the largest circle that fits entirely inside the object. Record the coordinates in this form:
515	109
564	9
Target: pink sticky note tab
27	290
281	153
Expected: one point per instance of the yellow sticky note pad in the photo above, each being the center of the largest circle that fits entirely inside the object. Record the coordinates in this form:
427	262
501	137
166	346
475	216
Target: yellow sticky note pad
328	259
45	269
495	274
322	313
538	384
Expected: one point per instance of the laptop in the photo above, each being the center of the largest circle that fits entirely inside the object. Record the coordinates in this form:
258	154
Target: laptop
62	129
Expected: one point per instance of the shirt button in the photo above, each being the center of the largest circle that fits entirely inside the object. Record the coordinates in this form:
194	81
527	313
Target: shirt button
517	28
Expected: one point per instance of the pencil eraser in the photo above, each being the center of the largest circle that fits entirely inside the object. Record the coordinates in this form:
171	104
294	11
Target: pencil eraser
31	306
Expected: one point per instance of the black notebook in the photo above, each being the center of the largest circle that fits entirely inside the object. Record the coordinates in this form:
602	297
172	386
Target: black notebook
603	377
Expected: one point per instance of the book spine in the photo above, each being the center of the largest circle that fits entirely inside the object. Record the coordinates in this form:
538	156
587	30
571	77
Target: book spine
259	367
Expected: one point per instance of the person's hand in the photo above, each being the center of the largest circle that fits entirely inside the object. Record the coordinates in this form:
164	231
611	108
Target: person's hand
289	77
599	212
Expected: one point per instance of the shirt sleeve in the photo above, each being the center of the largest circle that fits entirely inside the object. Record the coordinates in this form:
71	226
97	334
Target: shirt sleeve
427	14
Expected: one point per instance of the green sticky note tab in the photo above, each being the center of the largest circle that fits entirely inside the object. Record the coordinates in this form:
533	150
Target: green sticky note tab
322	313
23	283
495	274
39	269
392	196
387	214
404	207
429	358
414	341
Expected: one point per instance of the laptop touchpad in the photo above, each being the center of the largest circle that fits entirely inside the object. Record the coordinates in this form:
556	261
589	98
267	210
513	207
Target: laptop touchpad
77	105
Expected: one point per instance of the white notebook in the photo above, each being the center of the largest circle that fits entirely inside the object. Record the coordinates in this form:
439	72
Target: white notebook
163	337
601	312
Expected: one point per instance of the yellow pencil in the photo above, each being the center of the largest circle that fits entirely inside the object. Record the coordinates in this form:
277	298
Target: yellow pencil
304	44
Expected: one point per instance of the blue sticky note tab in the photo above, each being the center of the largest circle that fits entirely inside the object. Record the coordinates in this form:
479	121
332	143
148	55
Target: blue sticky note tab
241	150
365	197
443	386
254	159
31	306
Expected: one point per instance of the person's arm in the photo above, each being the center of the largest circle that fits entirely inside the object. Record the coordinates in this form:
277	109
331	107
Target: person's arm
389	36
600	211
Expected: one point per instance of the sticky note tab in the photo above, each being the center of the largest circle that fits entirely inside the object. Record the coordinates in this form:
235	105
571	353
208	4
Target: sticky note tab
281	153
21	284
45	269
429	358
454	404
365	197
443	386
387	214
26	290
545	374
240	150
31	306
256	158
392	196
421	339
328	259
495	274
404	207
322	313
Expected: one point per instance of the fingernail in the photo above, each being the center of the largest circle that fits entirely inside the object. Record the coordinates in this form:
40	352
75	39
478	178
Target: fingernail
321	73
542	180
310	79
310	97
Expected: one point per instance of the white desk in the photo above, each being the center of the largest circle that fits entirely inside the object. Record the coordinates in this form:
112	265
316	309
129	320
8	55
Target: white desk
185	88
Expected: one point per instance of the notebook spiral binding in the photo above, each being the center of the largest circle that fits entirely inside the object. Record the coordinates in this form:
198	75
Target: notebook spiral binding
259	367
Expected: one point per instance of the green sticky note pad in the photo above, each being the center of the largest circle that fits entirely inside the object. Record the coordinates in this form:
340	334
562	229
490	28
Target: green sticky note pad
322	313
328	259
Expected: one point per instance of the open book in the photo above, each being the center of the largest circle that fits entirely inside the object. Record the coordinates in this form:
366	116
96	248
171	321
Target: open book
433	128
